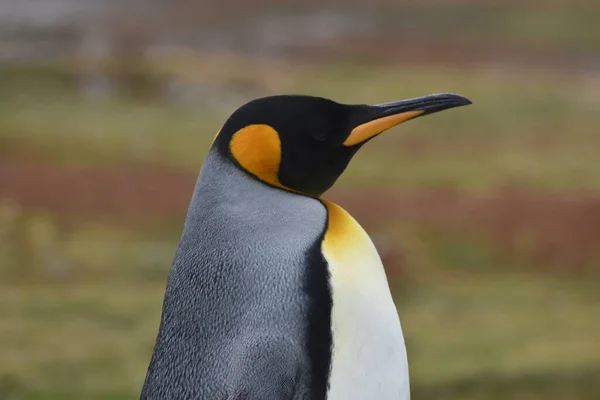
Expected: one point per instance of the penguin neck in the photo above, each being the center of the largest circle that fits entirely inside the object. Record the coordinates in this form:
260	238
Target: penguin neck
221	183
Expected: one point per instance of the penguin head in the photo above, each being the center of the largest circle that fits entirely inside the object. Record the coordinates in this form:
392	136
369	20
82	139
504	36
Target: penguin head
304	143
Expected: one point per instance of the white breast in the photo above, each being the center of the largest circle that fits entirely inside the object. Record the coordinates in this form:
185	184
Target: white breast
369	355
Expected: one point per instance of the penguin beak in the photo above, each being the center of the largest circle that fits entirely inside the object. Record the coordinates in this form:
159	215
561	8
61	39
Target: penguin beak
382	117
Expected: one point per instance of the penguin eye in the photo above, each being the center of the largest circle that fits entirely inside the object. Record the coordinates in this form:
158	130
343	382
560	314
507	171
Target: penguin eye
319	136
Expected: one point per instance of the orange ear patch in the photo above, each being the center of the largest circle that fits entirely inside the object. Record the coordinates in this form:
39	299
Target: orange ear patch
257	148
369	129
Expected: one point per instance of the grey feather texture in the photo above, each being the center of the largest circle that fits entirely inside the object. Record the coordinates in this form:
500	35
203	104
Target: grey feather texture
236	309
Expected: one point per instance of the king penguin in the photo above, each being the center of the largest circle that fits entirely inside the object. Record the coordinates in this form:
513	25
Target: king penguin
275	293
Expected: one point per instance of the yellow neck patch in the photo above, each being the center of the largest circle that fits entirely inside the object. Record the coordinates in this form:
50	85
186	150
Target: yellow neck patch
369	129
348	249
342	230
257	148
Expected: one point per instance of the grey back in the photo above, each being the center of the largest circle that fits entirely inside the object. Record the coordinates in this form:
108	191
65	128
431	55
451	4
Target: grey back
236	308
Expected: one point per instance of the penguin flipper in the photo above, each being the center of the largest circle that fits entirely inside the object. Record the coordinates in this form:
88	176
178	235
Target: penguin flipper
267	369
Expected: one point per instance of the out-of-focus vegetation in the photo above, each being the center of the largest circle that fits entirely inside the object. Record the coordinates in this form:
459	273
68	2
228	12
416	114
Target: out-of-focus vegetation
528	128
81	300
487	217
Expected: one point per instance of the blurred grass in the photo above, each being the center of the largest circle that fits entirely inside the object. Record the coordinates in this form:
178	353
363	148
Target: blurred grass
554	26
549	141
80	304
93	340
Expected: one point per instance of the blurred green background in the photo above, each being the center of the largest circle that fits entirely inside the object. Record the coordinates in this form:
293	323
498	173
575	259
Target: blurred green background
487	217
